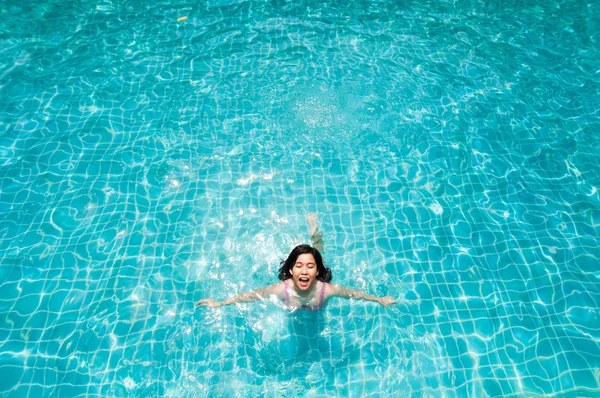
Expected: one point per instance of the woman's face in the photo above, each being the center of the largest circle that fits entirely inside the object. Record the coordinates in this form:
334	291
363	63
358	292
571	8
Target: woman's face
304	271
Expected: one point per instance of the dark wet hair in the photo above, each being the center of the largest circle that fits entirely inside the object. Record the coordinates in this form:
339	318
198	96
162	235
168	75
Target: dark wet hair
287	264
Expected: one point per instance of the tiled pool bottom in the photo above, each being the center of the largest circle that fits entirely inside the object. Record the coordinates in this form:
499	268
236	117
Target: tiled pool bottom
450	152
115	317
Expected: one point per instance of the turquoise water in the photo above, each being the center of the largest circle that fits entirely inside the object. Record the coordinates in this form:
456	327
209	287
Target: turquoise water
449	148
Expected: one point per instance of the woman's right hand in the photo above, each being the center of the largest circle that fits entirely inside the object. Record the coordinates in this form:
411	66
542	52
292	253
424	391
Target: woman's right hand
387	301
208	303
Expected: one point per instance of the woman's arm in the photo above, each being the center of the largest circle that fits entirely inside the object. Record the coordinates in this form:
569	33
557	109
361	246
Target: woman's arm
246	297
341	291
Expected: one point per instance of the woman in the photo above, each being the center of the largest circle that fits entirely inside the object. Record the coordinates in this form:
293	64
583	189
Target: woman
305	280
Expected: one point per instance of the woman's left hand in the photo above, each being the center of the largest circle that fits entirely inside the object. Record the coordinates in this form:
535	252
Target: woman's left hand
386	301
208	303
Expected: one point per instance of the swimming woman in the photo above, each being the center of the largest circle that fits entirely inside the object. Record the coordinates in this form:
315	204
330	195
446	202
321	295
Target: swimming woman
305	280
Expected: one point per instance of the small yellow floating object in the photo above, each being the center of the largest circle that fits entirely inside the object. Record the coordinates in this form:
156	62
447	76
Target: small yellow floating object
182	19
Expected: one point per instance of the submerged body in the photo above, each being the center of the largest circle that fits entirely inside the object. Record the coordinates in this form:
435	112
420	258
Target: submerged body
305	281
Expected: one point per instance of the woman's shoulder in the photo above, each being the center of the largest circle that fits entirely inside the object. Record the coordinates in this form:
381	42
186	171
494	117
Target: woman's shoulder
330	289
276	288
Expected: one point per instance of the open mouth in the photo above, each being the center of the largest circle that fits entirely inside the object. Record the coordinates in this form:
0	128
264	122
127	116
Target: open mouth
303	281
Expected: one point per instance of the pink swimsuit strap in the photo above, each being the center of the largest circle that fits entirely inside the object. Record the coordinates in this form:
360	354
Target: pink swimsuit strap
312	307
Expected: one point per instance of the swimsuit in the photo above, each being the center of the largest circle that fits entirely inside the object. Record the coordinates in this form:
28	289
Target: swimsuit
304	307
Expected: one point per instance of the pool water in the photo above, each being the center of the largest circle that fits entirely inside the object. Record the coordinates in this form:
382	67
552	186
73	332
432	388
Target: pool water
449	148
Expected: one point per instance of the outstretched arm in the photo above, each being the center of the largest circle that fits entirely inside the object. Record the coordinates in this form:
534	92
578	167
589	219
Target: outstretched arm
341	291
246	297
